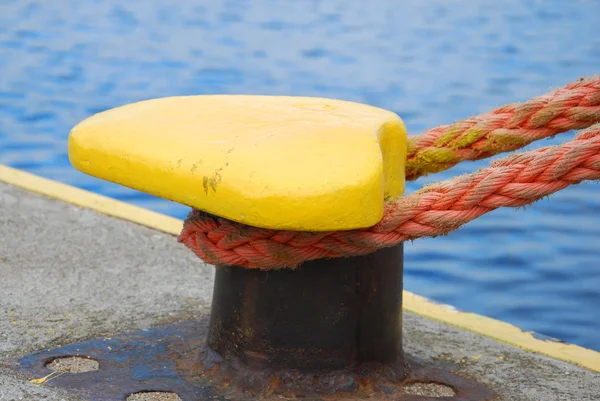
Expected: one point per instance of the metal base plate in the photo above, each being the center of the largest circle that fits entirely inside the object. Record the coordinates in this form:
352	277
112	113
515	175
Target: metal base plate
170	358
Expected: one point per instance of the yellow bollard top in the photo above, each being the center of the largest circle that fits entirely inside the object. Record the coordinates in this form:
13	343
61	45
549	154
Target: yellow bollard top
297	163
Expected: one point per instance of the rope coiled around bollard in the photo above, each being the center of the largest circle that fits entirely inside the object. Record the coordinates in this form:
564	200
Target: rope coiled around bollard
440	208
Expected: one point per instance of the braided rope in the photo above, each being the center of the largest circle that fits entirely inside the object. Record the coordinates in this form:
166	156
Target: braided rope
505	129
440	208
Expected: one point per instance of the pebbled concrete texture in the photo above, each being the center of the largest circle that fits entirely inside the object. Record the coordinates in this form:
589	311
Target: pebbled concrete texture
68	274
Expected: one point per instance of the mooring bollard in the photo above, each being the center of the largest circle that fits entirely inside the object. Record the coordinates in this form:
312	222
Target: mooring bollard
337	315
299	204
329	326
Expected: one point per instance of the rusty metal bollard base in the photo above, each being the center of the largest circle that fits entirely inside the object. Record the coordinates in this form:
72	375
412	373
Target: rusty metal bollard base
175	358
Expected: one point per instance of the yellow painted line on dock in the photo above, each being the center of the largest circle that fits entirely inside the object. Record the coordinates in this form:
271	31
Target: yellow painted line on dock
486	326
90	200
501	331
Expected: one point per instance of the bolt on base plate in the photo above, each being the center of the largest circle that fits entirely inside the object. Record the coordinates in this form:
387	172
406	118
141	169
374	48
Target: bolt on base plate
173	359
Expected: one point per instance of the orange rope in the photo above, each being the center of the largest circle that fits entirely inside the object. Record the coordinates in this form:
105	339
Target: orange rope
505	129
437	209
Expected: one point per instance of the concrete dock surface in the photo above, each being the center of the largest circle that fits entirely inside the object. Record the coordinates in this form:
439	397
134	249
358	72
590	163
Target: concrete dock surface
69	274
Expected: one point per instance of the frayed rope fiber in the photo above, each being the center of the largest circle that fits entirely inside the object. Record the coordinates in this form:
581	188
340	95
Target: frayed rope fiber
440	208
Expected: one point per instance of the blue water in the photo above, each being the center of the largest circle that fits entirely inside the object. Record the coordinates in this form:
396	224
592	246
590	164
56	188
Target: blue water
432	62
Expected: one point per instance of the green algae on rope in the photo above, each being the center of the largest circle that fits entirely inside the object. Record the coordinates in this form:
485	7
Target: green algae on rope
508	128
